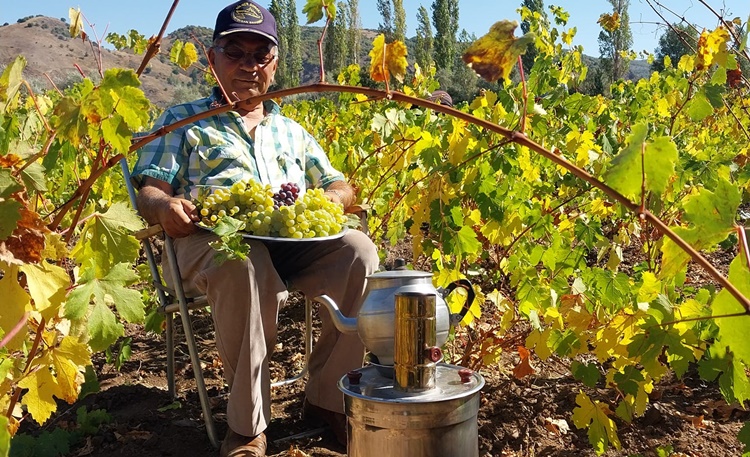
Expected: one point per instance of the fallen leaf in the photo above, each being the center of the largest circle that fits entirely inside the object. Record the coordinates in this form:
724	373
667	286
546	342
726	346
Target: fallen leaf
493	55
524	368
556	426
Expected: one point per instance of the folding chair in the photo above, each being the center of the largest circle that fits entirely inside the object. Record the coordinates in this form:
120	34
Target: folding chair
174	300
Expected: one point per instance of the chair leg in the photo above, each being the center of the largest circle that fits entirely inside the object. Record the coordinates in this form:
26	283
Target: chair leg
169	321
193	350
308	349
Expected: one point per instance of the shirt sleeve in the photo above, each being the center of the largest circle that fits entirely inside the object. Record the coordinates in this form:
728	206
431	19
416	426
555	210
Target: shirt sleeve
319	172
162	158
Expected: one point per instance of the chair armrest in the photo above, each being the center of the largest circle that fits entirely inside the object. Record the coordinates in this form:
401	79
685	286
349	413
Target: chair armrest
148	232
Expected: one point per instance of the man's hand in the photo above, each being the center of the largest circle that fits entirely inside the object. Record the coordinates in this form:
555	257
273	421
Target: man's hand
158	206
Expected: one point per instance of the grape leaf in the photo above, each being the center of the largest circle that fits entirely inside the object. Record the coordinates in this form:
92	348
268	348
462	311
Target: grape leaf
15	304
744	437
595	416
493	55
11	81
48	284
626	169
183	54
34	177
609	22
39	399
8	184
629	380
314	10
733	331
97	294
69	359
4	435
76	23
9	216
393	64
587	373
106	238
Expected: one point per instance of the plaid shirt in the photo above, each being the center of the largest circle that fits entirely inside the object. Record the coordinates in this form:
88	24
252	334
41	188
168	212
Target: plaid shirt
217	151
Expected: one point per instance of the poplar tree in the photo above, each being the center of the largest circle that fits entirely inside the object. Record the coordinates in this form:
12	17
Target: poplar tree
424	40
611	44
294	44
399	21
335	48
354	35
675	42
278	9
535	6
386	27
445	20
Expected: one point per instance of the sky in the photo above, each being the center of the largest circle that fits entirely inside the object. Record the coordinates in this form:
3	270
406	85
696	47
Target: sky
475	16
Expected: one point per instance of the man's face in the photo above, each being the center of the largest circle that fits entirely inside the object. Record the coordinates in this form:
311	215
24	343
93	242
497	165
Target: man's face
244	63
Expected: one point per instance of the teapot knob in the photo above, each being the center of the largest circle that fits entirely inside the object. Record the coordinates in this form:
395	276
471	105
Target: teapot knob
399	264
354	376
466	375
433	354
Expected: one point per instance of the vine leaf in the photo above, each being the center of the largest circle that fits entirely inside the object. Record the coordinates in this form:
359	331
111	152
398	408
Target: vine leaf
106	240
69	358
39	398
595	415
10	82
659	161
493	55
712	48
733	331
183	54
314	10
76	23
16	302
48	285
98	294
524	368
610	22
393	64
9	217
711	215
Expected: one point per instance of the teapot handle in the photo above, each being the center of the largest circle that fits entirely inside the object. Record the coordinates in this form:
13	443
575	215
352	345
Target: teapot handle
455	319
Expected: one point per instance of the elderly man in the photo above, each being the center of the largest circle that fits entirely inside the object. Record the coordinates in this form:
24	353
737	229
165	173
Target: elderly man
255	140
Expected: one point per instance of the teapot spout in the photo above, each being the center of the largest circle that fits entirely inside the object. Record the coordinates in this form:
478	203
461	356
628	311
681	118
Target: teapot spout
346	325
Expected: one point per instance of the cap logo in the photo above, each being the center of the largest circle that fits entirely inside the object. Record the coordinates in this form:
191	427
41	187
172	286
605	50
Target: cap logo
247	13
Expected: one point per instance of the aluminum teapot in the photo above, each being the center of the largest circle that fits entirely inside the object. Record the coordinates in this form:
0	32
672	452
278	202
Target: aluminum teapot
375	323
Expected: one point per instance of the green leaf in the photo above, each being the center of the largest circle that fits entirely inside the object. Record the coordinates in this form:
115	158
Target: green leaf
106	239
595	416
587	373
564	343
314	10
10	214
11	81
744	437
4	436
699	107
8	184
733	331
466	241
629	380
95	296
657	160
34	177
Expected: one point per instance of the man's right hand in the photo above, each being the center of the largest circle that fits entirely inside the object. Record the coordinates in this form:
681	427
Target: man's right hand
157	205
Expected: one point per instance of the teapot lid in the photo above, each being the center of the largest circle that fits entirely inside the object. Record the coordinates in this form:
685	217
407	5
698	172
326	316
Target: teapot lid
393	274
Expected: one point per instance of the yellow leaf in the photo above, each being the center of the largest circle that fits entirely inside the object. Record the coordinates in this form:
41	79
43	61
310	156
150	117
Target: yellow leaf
68	359
15	305
538	341
39	399
47	286
650	289
387	60
686	63
609	22
76	22
712	48
493	55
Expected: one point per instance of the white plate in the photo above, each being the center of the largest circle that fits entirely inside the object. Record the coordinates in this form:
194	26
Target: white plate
275	239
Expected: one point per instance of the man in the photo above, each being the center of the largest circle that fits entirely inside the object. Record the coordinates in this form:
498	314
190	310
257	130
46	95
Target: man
254	140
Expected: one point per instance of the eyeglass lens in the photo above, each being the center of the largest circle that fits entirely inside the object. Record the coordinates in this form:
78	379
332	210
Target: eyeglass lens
261	56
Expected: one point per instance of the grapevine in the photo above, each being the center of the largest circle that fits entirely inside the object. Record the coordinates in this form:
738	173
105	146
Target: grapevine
263	212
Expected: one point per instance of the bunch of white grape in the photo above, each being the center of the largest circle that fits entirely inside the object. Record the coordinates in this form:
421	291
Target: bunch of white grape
257	207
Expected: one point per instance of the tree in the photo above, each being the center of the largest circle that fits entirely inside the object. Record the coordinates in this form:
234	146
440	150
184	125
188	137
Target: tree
614	40
535	6
354	37
399	21
278	9
386	27
424	41
445	20
675	42
335	53
294	42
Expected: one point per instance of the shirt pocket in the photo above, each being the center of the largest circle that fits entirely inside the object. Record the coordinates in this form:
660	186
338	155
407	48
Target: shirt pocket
216	159
292	168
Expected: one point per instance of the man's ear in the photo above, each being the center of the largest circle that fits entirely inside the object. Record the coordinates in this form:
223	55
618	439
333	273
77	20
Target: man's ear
211	55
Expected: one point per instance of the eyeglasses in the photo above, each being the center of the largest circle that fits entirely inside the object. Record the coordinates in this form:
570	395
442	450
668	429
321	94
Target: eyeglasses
261	57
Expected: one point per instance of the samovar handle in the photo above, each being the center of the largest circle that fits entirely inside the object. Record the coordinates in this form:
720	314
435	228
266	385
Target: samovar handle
456	318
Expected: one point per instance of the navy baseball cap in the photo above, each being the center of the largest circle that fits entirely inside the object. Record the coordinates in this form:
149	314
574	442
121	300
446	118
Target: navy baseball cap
246	17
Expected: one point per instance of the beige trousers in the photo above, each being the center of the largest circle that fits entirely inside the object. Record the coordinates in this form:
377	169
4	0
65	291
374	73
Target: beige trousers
245	297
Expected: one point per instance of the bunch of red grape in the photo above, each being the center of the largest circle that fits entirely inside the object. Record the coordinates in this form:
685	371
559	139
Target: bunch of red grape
286	196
